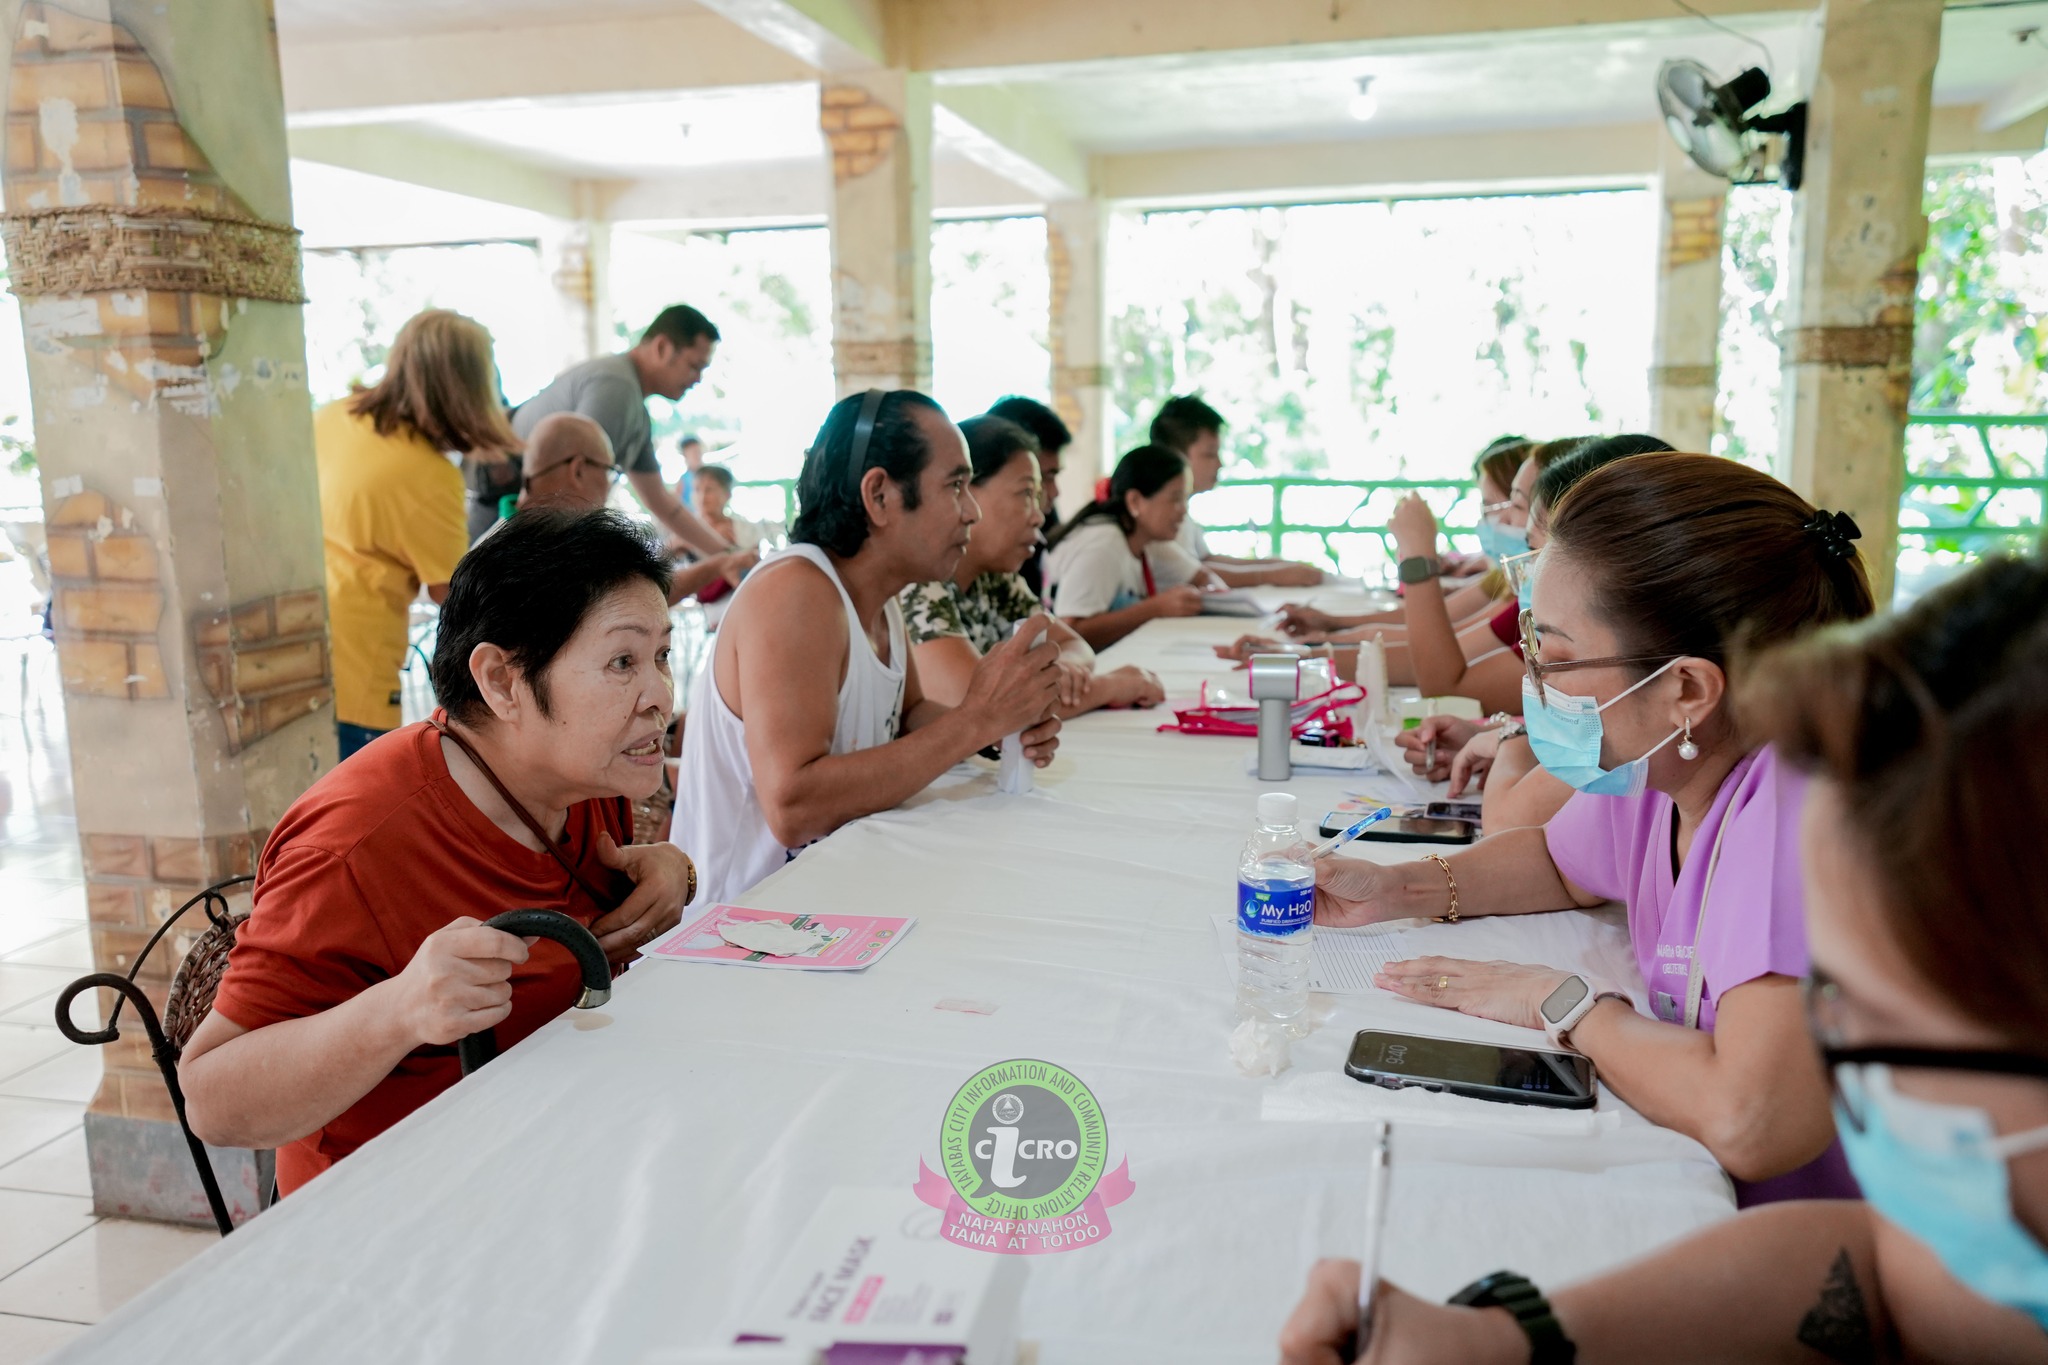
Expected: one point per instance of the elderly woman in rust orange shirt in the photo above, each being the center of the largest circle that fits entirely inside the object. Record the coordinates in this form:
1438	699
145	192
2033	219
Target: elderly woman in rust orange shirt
365	958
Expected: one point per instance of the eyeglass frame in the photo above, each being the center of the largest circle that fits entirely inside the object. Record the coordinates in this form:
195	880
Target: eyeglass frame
1816	988
1534	669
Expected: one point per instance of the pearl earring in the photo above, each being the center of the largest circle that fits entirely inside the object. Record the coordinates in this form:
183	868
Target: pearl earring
1688	750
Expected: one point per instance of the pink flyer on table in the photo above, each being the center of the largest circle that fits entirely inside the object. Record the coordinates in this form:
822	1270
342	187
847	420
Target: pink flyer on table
789	940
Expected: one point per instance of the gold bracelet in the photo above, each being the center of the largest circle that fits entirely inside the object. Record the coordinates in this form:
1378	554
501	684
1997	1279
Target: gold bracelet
1450	881
690	892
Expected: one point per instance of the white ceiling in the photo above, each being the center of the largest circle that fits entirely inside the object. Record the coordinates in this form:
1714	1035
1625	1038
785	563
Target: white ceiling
1553	78
631	139
305	19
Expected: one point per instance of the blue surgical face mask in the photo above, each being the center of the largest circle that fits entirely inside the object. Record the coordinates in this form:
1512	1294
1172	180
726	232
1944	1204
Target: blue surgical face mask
1499	542
1565	733
1938	1172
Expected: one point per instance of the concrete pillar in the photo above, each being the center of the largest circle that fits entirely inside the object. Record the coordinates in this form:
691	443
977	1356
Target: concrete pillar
1856	239
1684	369
1076	245
149	240
878	123
577	258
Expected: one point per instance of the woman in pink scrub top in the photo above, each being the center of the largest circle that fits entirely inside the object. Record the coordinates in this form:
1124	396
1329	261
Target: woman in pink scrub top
1660	572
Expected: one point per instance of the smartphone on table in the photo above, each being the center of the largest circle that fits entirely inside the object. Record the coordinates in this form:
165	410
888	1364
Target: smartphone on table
1483	1071
1406	828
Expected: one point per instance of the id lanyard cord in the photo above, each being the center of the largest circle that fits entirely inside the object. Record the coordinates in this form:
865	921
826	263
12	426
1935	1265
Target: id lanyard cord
1695	978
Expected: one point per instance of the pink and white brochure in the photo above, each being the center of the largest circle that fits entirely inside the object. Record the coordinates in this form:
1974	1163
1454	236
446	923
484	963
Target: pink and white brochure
803	942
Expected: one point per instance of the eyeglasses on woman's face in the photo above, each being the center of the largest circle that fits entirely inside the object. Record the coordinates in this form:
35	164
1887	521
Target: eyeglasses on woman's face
1827	1020
1536	670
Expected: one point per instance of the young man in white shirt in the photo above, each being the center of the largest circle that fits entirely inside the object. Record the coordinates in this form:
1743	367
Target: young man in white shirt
1187	424
809	713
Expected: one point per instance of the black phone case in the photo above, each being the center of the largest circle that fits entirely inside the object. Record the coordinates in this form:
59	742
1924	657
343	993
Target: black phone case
1385	833
1389	1081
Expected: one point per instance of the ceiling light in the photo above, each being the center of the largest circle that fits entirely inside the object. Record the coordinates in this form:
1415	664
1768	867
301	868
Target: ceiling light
1363	105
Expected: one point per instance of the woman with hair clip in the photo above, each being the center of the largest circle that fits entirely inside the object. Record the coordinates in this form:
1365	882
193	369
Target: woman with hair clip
1115	566
1658	574
391	505
1928	914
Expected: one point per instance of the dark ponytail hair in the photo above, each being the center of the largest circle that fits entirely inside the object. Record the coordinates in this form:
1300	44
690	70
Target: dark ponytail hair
992	442
830	513
1699	555
1145	471
1925	722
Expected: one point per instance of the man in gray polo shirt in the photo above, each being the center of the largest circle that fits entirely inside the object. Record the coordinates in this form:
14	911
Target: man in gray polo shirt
612	391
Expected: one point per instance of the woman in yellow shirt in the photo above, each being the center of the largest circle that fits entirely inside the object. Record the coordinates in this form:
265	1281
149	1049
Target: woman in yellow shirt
391	502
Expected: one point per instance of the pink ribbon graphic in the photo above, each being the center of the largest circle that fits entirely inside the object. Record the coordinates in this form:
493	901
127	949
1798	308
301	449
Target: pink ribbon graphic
1084	1226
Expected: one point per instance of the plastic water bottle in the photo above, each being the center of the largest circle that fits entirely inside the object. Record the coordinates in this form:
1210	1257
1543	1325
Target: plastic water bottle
1276	892
1014	776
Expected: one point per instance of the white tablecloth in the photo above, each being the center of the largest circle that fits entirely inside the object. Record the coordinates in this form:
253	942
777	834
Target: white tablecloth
619	1182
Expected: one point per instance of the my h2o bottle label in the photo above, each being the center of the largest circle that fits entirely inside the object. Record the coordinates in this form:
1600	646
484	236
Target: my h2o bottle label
1262	910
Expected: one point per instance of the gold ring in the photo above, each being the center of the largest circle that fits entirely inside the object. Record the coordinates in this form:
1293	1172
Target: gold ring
1443	982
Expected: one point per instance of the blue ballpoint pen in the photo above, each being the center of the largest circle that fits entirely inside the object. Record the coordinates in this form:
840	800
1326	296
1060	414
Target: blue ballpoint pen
1356	828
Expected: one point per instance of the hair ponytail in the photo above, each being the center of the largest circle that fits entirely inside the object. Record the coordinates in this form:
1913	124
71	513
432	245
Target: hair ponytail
1144	471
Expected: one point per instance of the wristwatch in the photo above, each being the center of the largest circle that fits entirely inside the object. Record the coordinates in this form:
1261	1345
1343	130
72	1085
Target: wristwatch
1572	1001
1420	568
1548	1345
1510	726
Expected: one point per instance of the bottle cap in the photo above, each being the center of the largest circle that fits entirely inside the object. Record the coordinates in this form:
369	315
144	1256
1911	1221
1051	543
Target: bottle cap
1277	808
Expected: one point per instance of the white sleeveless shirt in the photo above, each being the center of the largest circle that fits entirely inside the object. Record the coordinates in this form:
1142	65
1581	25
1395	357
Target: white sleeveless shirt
718	819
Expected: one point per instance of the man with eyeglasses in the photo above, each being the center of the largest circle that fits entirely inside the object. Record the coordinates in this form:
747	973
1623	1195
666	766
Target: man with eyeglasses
569	465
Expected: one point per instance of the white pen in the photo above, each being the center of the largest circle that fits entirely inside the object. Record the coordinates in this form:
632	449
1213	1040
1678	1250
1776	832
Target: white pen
1352	831
1375	1233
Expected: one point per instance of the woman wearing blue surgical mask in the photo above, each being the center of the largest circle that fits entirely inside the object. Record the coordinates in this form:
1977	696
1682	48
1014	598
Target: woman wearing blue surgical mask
1657	571
1927	909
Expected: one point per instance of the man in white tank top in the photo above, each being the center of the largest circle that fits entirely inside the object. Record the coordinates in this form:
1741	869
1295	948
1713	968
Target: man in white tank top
808	713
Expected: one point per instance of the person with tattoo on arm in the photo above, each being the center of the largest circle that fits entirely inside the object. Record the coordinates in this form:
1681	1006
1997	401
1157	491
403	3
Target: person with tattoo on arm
1928	918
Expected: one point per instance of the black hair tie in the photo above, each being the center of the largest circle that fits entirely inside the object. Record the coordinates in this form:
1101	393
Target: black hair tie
1836	532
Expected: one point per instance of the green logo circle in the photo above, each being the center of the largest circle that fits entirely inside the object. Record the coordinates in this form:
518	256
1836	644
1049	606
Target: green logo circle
1023	1139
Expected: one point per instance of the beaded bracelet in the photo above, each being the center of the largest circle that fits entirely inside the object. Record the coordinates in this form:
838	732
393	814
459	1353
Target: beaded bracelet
1450	881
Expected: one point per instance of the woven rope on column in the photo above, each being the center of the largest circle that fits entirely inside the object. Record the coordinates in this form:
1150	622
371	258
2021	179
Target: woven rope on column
98	248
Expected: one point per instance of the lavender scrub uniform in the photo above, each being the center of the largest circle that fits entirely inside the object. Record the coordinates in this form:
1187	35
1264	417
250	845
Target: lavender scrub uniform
1622	848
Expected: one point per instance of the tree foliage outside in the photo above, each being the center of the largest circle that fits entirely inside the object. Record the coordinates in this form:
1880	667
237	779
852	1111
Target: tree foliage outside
1980	334
1386	339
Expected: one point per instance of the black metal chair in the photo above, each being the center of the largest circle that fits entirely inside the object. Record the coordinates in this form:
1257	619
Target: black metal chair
189	1001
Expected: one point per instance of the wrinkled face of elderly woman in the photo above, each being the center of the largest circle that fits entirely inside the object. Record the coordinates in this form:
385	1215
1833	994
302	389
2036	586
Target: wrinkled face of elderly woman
593	720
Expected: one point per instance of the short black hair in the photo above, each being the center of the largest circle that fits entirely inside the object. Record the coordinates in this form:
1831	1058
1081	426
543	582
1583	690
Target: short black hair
1036	418
717	473
691	438
1181	420
526	589
829	512
1559	476
993	442
681	324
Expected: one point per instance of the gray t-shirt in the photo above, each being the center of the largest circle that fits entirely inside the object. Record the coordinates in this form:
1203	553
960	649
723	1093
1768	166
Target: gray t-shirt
607	391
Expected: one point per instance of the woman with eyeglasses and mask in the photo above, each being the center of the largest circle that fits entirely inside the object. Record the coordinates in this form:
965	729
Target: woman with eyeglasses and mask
1928	916
1658	573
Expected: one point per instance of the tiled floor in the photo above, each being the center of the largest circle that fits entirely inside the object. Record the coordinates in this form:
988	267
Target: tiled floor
61	1267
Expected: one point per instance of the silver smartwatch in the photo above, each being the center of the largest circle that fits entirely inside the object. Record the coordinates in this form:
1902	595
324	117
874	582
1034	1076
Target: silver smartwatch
1572	1001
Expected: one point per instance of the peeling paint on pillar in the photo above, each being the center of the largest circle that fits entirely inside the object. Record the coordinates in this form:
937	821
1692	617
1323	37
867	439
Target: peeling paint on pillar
878	124
1857	233
173	430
